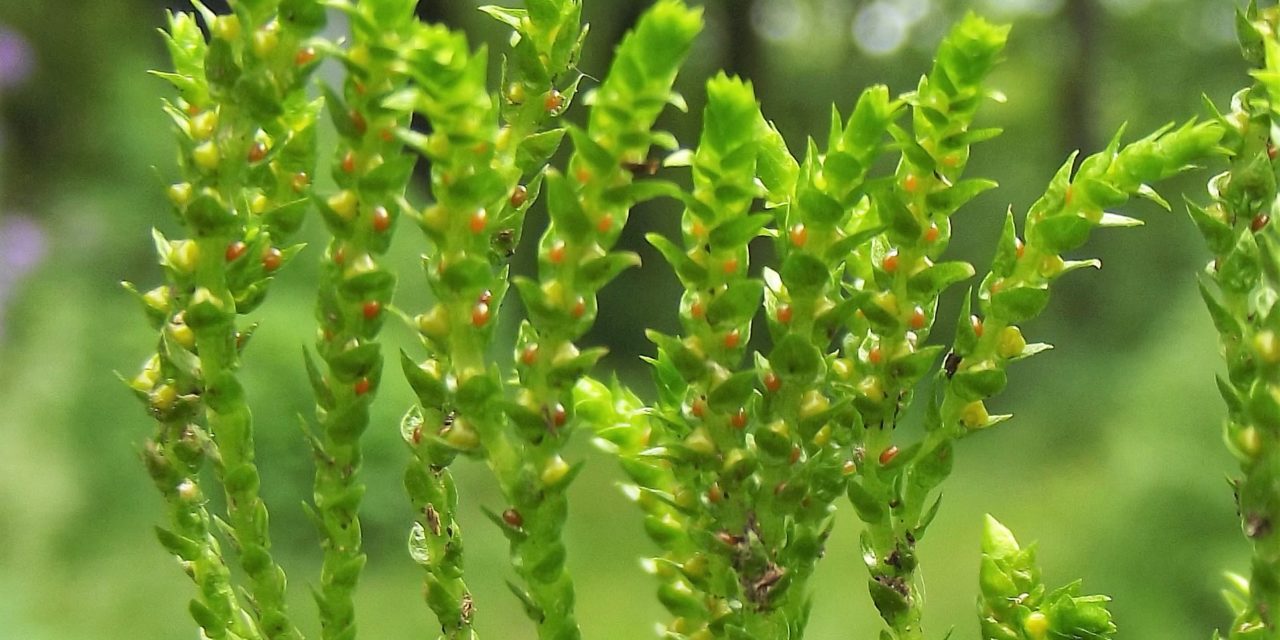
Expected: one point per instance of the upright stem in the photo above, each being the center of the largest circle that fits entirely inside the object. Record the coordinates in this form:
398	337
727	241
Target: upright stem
1240	289
588	207
246	139
479	173
173	458
231	426
371	173
888	348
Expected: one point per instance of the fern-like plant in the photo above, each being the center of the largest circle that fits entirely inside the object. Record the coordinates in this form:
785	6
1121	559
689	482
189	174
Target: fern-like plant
743	457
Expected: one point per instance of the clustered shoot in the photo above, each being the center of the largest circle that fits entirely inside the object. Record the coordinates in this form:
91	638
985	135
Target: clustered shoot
588	208
487	157
1239	287
738	469
370	173
246	134
740	461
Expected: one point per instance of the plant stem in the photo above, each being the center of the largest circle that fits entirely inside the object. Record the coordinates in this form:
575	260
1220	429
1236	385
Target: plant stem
1239	288
174	458
588	208
371	174
231	427
474	234
246	136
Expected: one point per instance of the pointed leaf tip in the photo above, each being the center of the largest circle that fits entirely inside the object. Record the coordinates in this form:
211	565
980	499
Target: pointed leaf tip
997	539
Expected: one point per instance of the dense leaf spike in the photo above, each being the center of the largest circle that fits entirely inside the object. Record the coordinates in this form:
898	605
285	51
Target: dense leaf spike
246	136
1239	288
371	172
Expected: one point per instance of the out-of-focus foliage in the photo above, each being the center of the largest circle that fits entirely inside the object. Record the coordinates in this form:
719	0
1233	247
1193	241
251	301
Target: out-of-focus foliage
1115	453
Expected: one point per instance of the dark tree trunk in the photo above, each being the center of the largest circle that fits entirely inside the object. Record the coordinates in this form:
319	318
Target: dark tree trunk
628	12
434	12
742	49
1078	96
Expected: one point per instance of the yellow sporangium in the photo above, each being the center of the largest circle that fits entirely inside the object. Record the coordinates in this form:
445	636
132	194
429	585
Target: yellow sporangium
974	415
1036	625
1011	344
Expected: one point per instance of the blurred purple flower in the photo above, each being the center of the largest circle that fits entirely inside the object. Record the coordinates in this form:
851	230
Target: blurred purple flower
22	246
15	58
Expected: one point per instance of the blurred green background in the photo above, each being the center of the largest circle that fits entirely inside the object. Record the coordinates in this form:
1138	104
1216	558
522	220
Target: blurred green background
1113	463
